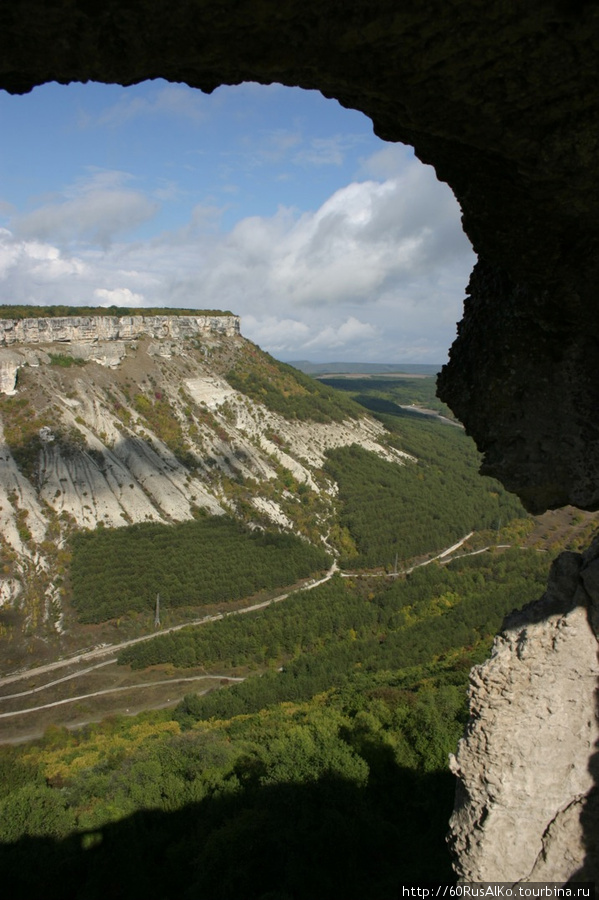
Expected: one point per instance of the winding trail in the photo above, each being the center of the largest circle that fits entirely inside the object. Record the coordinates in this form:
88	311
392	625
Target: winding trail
114	649
117	690
427	562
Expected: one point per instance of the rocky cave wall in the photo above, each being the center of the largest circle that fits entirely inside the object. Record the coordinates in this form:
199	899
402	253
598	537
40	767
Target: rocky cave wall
500	97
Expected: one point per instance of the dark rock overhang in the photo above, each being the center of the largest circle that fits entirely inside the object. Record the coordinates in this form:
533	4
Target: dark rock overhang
500	97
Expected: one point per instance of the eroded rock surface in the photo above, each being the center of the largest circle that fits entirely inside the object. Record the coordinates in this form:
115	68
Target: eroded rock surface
525	807
9	367
118	426
82	330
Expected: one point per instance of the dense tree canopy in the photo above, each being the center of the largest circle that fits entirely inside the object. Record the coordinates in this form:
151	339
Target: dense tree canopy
8	311
401	511
324	773
210	560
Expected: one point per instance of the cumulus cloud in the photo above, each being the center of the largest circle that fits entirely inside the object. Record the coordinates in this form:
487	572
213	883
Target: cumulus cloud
35	262
388	162
118	297
377	272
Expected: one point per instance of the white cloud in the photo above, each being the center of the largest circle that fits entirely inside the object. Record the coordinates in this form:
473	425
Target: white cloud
36	262
329	151
378	272
351	332
6	208
294	147
94	209
98	217
276	334
118	297
388	162
170	100
277	144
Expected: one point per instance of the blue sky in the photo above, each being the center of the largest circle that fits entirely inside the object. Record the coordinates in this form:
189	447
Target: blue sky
272	202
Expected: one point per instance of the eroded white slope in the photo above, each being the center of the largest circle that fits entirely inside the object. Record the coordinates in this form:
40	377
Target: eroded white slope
151	433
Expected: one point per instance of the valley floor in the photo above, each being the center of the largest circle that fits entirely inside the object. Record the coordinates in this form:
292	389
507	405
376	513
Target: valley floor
30	702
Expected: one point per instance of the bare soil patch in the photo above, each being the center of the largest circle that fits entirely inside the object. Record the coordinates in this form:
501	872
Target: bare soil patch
107	691
563	529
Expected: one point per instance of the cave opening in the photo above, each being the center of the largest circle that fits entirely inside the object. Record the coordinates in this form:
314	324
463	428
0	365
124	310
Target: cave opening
503	102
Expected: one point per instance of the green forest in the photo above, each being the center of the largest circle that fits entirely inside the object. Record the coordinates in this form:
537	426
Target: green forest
402	511
212	559
326	779
323	774
321	635
397	512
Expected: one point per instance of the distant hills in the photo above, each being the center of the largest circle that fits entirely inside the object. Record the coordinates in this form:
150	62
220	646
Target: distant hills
347	368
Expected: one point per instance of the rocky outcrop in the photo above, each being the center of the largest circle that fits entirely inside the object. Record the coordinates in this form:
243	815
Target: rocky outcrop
137	440
90	329
9	366
526	806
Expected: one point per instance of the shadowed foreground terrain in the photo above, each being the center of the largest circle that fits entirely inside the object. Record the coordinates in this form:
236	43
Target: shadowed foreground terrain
327	839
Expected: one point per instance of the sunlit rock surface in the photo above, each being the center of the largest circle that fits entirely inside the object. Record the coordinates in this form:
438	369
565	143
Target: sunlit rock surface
112	424
526	806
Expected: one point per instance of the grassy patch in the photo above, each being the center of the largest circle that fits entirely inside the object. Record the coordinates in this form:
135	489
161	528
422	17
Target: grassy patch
65	361
288	391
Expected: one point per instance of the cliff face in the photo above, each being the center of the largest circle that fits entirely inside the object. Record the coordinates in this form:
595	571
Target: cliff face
101	339
131	420
88	329
526	805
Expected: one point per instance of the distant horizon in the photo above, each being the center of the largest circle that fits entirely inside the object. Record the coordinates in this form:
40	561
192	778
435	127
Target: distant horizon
15	311
366	366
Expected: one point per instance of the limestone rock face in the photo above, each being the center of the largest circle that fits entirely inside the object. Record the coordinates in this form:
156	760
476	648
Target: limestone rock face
90	329
526	808
500	97
9	366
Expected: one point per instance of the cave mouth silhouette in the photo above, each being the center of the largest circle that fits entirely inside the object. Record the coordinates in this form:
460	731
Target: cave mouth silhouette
501	101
